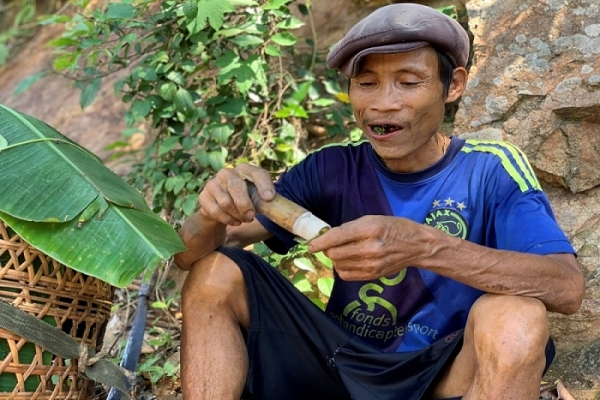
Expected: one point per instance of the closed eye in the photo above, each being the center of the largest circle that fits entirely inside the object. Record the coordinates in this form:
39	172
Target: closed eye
365	84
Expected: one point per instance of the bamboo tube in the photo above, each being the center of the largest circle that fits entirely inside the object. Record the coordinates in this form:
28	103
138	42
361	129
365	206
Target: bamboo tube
288	215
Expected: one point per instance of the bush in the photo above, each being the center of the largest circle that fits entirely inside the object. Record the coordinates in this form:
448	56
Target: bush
217	82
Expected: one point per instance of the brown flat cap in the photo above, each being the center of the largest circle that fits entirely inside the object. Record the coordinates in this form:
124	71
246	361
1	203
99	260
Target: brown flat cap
399	28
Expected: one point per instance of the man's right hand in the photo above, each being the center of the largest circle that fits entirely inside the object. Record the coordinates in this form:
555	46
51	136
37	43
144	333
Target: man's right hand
225	201
225	197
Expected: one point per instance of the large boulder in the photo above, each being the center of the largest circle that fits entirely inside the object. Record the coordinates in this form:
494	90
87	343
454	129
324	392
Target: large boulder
535	81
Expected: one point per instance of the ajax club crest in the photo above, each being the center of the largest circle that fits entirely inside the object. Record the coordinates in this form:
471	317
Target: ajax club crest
448	220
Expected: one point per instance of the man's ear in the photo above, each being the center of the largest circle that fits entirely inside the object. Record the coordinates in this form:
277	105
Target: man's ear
457	85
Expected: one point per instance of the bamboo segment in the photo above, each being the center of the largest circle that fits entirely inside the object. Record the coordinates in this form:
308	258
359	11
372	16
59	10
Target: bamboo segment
289	215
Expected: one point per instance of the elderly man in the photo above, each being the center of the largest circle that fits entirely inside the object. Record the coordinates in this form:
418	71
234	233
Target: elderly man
446	252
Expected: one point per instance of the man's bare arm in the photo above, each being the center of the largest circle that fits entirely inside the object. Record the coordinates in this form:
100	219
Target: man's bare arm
202	234
554	279
376	246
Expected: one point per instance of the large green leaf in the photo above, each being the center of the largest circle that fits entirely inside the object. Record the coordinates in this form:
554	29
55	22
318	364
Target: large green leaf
61	199
116	249
51	178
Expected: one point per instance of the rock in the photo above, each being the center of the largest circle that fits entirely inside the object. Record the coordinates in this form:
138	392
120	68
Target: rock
484	134
535	81
535	77
580	368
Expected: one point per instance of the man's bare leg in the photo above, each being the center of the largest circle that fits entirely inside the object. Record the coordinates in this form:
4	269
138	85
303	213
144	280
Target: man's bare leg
503	351
214	360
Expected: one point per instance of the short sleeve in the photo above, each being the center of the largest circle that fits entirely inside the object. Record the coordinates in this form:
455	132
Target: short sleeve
525	223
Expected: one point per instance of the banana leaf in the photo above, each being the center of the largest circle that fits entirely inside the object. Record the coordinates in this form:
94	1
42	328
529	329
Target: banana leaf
63	200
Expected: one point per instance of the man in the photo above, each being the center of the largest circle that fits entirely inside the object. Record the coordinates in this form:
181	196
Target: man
446	252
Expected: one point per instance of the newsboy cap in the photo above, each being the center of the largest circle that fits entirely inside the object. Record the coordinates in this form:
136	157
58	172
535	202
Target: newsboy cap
399	28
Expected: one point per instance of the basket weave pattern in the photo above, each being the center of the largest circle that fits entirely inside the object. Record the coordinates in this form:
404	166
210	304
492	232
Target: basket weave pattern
73	302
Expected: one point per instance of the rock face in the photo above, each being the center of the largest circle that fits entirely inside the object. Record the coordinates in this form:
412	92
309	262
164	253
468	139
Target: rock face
536	78
534	81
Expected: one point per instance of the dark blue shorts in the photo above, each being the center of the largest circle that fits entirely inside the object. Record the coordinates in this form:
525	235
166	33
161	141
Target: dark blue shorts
297	352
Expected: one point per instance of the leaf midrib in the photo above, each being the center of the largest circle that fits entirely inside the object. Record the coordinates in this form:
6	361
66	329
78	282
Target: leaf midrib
140	234
61	154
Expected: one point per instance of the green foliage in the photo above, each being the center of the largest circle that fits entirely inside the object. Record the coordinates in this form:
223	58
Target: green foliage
18	23
78	200
211	83
155	368
13	32
312	274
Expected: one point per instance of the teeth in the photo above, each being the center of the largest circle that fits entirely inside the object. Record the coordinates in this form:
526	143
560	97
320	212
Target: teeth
383	129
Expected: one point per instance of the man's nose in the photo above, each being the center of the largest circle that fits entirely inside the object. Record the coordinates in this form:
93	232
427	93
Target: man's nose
387	98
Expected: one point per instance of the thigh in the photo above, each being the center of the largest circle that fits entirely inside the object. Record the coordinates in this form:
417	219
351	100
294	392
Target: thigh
296	351
290	341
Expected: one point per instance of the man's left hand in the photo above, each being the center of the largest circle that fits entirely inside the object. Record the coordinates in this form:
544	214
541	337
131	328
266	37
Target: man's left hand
372	247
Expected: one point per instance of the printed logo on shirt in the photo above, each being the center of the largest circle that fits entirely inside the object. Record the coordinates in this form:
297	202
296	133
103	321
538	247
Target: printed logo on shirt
447	218
378	315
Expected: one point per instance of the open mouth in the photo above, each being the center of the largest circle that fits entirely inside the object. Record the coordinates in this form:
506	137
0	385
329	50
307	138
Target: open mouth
381	130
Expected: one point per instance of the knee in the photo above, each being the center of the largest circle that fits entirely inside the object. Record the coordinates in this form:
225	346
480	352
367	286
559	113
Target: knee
515	328
214	280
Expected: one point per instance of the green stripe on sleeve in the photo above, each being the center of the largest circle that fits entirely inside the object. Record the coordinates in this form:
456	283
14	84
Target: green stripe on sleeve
508	166
527	168
519	158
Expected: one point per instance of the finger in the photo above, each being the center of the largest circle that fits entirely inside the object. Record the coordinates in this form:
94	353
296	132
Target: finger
364	253
238	191
260	177
216	202
347	233
229	204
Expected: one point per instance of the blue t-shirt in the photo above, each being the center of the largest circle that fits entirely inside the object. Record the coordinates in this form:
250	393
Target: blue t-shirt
481	191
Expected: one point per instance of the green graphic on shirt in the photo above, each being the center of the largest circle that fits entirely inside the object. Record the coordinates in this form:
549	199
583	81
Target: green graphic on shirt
448	221
371	301
394	281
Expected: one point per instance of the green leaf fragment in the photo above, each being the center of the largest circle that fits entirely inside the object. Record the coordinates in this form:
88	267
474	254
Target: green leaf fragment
275	4
183	102
217	159
284	39
190	9
303	284
229	32
189	205
168	144
304	263
167	91
92	209
290	23
272	51
213	11
247	41
325	285
323	259
3	142
120	10
176	77
247	3
89	92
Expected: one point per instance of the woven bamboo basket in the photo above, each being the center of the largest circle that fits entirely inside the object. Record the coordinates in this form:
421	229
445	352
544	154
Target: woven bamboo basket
67	300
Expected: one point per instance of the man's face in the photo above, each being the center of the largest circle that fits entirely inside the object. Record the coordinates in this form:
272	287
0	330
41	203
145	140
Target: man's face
399	105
